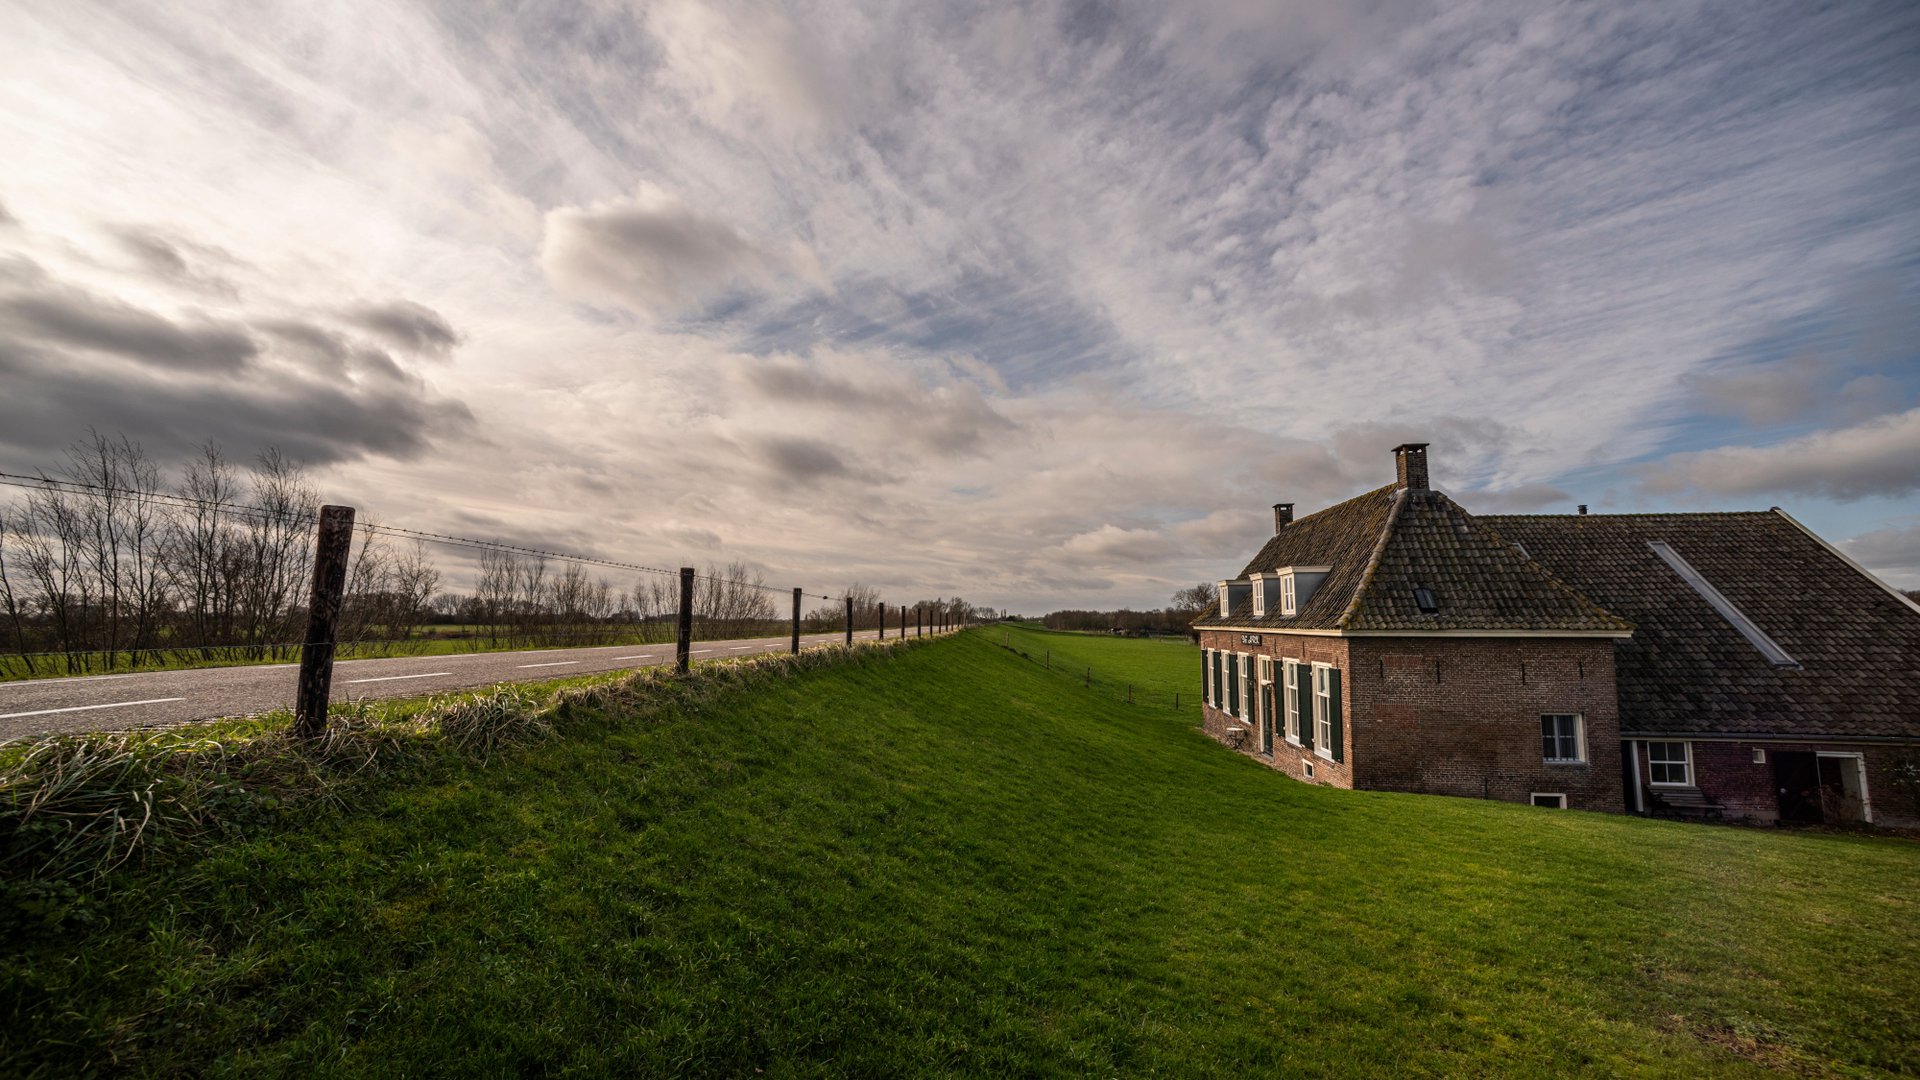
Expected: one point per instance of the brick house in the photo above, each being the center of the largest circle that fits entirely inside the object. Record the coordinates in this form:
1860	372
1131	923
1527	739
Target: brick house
1716	664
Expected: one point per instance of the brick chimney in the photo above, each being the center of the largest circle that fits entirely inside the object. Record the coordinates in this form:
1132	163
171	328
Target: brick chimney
1282	516
1410	465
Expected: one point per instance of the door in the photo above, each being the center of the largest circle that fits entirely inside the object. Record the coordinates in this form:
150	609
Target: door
1796	775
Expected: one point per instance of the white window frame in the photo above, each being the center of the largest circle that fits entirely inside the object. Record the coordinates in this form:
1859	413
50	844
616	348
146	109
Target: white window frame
1287	605
1290	679
1225	610
1246	677
1579	739
1860	762
1263	718
1686	761
1259	594
1323	711
1561	795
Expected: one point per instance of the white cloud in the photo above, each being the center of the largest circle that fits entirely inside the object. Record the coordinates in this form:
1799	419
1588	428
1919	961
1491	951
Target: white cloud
1877	458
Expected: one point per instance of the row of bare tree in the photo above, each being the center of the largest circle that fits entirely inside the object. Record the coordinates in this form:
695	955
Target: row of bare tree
116	565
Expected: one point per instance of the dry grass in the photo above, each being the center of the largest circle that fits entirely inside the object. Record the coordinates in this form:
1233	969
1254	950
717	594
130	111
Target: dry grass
76	807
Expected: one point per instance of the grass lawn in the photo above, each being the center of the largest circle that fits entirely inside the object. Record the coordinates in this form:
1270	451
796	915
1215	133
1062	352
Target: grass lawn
950	860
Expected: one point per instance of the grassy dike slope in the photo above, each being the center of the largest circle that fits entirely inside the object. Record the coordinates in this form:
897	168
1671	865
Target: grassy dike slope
951	860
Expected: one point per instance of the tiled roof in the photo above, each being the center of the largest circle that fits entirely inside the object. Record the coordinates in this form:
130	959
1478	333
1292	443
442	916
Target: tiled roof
1479	580
1688	670
1386	543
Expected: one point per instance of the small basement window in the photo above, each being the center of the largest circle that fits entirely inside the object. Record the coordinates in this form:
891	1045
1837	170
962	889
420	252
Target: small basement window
1759	756
1551	799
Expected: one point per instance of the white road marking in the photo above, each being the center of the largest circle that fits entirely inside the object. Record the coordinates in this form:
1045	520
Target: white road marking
390	678
702	650
743	648
636	658
84	708
555	663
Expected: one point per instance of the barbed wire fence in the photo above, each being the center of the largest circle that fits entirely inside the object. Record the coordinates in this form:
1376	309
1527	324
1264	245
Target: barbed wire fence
514	582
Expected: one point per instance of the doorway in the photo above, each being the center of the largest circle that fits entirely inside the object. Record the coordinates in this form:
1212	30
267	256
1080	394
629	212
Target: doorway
1843	791
1796	776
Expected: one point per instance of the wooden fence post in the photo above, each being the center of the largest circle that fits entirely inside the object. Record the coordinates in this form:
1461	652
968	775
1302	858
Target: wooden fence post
796	621
849	620
919	621
683	647
330	549
883	621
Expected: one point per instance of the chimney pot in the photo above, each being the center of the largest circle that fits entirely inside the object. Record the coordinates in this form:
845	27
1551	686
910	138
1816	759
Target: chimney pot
1583	509
1410	465
1282	516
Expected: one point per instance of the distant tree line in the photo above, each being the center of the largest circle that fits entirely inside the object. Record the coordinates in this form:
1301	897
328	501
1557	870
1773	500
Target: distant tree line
123	565
1176	618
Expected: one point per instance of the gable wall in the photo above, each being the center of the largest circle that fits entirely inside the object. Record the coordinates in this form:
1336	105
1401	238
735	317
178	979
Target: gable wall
1461	716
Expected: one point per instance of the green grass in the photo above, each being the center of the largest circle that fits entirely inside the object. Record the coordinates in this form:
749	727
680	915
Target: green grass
949	860
434	641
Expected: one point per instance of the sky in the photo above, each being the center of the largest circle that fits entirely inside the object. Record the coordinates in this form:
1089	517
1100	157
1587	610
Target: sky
1039	304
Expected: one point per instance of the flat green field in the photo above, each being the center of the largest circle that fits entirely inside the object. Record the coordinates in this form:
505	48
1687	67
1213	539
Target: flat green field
950	860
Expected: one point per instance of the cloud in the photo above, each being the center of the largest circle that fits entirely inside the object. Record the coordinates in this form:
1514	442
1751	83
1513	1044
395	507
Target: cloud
655	255
800	460
177	261
1110	543
744	63
71	318
1895	549
1516	500
1867	460
405	325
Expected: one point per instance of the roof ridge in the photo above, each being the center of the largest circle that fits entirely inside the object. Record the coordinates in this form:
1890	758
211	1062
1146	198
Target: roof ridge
1373	560
1642	514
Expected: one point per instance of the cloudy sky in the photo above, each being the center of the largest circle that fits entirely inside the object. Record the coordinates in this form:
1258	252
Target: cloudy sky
1042	304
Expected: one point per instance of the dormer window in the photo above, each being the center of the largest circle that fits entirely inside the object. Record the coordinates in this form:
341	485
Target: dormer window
1296	586
1226	604
1259	595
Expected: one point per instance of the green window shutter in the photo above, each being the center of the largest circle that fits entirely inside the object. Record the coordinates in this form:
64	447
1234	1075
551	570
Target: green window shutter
1233	685
1305	695
1333	702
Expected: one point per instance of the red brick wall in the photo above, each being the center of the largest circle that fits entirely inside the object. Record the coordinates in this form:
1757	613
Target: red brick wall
1726	773
1461	716
1286	758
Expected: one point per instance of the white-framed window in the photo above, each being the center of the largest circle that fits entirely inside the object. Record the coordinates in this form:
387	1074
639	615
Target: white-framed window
1322	711
1759	755
1551	799
1287	604
1259	595
1670	764
1225	608
1563	739
1290	678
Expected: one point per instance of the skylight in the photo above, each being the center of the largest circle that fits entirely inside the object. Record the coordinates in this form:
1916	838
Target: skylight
1755	636
1424	599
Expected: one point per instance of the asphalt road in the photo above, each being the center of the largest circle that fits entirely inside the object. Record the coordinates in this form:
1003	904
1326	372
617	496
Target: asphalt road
117	702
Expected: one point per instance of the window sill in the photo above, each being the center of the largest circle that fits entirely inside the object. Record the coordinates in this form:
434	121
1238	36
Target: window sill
1323	755
1568	764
